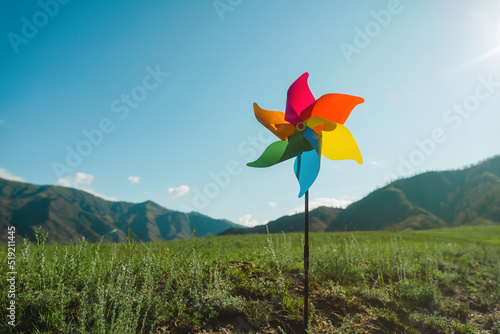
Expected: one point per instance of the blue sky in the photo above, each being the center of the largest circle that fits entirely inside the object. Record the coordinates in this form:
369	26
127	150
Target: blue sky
157	95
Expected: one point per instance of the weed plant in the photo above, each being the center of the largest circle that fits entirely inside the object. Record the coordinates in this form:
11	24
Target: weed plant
442	281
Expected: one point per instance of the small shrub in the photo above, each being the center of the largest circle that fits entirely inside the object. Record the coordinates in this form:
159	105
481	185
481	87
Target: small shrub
463	328
346	327
335	293
374	297
457	311
416	295
429	324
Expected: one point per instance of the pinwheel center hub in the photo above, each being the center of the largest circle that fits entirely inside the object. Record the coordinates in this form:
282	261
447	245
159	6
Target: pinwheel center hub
301	126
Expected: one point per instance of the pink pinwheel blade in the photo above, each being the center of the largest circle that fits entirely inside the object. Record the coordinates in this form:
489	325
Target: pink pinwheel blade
299	97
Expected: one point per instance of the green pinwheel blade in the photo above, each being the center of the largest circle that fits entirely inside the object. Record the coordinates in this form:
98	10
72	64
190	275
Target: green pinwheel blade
271	156
280	151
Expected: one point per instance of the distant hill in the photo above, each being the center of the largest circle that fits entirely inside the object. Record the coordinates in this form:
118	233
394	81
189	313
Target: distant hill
319	220
429	200
470	196
67	213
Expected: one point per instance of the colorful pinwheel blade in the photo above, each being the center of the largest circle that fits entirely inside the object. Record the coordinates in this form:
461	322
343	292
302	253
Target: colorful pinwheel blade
333	107
306	169
314	139
274	121
299	97
320	123
280	151
271	155
339	144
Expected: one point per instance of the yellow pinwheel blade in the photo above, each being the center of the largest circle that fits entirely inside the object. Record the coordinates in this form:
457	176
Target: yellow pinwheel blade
320	124
339	144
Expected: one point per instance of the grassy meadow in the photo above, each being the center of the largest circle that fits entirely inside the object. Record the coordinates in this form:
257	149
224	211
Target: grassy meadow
436	281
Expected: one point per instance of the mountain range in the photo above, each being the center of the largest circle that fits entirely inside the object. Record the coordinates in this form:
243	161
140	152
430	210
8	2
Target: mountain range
430	200
67	213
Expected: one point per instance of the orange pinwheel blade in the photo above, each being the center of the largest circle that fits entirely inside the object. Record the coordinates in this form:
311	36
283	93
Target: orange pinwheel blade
333	107
274	121
339	144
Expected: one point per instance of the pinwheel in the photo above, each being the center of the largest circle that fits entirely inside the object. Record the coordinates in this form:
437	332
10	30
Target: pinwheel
309	128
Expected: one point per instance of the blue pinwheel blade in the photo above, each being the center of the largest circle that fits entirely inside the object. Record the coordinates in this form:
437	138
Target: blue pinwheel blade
314	139
306	169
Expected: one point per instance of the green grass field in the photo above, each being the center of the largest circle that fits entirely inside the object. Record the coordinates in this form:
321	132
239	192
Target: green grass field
437	281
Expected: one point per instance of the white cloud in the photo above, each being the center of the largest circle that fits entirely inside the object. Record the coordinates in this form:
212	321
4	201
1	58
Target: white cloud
377	164
5	174
324	201
108	198
272	204
82	181
393	98
134	179
247	220
65	182
179	191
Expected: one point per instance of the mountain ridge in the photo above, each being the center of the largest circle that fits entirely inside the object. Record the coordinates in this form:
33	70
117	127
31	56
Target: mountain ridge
429	200
68	213
433	199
